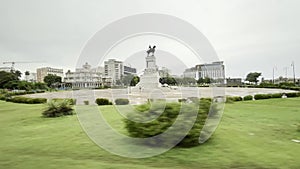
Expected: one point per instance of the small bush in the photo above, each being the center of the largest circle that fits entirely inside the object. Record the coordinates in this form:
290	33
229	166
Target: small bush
86	102
121	101
233	99
165	121
262	96
102	101
57	109
182	100
71	101
249	97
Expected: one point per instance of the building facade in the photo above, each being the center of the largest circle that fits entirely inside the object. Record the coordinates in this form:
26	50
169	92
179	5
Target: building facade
41	73
87	77
214	71
191	73
116	70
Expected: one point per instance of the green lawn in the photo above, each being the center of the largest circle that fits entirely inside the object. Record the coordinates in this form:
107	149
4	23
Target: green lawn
252	134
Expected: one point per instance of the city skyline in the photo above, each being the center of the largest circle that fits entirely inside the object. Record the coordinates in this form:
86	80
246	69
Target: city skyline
248	36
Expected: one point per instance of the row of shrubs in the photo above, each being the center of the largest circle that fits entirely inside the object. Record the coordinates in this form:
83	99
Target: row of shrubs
22	92
27	100
104	101
261	96
229	99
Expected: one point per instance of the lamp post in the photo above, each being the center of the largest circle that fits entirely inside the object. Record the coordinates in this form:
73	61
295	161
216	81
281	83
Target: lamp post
293	65
274	68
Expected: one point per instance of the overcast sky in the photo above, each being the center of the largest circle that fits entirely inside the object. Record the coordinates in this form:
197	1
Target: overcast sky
248	35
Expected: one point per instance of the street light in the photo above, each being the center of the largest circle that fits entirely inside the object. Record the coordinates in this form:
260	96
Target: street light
293	65
274	68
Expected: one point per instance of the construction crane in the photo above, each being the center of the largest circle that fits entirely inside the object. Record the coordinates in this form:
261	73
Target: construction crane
12	68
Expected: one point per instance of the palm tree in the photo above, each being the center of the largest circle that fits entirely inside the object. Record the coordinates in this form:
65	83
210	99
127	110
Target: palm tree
27	75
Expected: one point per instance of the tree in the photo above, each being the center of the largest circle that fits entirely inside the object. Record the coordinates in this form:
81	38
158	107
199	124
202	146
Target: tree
6	77
17	73
200	80
207	80
135	80
26	75
167	80
51	79
253	77
130	80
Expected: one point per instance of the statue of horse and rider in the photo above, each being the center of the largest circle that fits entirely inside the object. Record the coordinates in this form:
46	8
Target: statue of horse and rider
151	50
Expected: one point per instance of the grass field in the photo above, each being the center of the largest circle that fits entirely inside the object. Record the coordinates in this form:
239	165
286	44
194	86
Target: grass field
252	134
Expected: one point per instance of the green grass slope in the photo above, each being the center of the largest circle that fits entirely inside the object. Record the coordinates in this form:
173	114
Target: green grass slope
252	134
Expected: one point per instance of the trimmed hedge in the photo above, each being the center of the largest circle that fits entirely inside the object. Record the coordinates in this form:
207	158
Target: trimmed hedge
262	96
121	101
27	100
276	95
230	99
165	121
292	94
102	101
71	101
248	97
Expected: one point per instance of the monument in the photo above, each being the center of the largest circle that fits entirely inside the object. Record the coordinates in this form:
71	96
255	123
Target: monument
150	79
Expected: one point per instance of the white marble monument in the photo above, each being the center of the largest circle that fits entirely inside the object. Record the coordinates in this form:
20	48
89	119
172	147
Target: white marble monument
150	79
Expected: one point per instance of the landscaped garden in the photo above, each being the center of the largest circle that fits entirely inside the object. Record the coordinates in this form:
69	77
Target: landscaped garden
252	134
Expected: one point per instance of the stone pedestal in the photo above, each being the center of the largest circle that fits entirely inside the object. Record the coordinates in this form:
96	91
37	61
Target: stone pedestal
150	79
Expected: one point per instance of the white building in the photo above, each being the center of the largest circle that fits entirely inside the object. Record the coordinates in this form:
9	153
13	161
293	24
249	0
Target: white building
116	70
87	77
191	73
214	70
43	72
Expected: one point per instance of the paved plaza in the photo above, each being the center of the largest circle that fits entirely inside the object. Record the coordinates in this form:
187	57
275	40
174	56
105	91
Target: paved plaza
137	96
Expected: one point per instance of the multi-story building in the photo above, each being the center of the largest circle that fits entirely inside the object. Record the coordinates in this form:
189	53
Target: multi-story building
191	73
43	72
116	70
214	70
129	70
87	77
113	69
